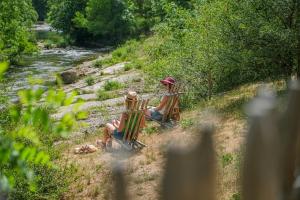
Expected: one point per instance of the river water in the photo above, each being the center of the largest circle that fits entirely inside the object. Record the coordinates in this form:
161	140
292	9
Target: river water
44	65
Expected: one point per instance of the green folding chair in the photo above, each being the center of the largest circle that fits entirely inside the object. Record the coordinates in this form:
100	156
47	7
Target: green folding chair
172	112
133	126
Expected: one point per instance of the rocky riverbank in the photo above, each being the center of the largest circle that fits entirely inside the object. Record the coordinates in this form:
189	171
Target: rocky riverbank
102	91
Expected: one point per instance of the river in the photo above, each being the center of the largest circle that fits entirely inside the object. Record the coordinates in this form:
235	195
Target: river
45	64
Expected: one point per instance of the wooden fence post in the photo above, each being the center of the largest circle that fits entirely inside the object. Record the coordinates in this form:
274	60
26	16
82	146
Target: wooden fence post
289	134
261	162
190	175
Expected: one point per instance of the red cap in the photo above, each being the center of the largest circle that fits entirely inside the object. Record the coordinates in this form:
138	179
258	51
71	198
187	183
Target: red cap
168	81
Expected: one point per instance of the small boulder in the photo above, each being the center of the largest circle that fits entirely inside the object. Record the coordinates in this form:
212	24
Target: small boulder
69	76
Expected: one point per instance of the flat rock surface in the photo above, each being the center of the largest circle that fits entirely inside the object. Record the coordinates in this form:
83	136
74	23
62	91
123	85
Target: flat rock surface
100	112
87	106
114	69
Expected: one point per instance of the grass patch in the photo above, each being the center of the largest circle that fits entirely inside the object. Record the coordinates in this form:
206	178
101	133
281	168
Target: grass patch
128	67
98	63
226	159
134	64
231	103
104	95
90	81
149	130
236	196
132	51
112	85
51	183
186	123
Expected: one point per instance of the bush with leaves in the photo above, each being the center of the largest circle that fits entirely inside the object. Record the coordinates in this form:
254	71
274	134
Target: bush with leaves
24	142
15	36
61	16
218	45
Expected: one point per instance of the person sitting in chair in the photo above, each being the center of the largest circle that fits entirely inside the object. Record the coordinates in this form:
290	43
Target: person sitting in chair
116	128
156	113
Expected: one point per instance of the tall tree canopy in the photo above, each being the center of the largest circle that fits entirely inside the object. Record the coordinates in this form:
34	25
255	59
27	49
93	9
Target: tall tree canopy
61	16
16	18
104	20
220	44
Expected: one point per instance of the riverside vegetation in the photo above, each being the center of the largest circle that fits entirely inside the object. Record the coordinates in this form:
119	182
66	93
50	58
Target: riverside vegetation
211	47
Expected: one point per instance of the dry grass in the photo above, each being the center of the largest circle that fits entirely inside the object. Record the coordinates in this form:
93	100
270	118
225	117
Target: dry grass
145	169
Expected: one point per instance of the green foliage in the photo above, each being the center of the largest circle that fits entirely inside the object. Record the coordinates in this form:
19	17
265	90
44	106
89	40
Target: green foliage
89	81
226	159
25	133
61	16
131	51
56	40
3	68
108	21
112	85
104	95
128	67
236	196
98	63
217	45
186	123
15	36
105	18
150	130
50	183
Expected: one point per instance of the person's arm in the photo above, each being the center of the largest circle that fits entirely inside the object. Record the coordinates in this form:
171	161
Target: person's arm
162	103
115	123
122	122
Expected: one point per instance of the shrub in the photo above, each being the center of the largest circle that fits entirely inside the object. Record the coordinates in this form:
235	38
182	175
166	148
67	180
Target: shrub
127	67
104	95
50	183
98	63
112	85
135	64
126	51
89	81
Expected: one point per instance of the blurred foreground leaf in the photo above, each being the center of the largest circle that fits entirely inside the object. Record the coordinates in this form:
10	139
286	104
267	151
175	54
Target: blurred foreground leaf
3	68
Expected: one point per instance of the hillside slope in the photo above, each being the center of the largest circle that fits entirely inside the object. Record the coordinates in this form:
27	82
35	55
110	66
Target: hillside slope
92	178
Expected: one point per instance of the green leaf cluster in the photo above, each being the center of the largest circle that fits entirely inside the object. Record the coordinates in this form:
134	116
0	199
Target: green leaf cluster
16	19
218	45
29	130
108	21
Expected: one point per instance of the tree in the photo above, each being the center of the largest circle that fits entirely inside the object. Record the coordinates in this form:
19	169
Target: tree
61	16
109	19
15	24
264	36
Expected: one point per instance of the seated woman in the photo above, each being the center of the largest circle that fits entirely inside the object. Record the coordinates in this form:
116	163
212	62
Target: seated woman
156	113
116	128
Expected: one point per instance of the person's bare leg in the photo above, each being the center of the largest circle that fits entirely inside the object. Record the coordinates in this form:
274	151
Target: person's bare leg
108	130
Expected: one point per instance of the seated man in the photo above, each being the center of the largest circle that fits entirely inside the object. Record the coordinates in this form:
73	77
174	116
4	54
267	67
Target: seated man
156	113
116	128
